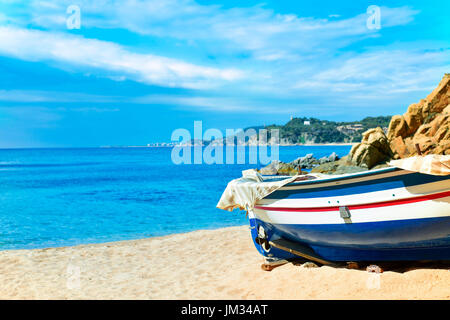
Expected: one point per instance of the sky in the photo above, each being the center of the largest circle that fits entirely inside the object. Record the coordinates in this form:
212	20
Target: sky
115	73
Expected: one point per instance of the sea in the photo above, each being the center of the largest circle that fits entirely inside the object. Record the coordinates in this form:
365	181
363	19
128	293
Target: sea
65	197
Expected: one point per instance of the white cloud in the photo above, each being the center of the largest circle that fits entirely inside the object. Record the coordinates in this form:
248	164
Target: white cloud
381	72
257	29
36	45
285	56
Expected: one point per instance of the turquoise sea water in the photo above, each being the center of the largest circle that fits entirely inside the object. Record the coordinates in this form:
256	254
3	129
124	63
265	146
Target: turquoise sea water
61	197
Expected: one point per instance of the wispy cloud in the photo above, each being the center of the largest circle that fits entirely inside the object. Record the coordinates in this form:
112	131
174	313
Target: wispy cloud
257	53
215	103
36	45
381	72
256	29
36	96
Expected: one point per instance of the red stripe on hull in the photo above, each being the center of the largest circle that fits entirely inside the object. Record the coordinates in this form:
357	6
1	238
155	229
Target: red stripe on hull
361	206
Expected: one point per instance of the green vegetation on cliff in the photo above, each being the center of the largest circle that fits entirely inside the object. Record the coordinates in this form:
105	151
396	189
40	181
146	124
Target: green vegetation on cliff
312	130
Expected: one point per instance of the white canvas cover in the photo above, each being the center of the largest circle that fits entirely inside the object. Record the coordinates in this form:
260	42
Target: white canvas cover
244	192
430	164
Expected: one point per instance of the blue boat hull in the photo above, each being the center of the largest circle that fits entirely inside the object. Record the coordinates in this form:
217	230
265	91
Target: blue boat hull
424	239
393	215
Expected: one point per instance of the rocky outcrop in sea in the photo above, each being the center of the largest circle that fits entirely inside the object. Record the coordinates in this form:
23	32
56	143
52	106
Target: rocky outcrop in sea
277	167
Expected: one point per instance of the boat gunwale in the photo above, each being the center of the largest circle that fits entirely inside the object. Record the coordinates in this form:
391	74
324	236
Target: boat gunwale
330	178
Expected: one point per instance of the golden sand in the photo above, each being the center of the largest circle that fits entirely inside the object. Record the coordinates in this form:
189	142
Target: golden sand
206	264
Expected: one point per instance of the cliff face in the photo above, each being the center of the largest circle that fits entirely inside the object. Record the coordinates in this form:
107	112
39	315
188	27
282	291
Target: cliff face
426	123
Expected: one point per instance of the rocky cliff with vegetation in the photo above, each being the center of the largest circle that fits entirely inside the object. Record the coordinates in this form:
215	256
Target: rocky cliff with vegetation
307	131
312	130
424	128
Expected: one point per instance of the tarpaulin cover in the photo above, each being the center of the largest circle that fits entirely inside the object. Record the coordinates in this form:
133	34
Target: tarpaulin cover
244	192
430	164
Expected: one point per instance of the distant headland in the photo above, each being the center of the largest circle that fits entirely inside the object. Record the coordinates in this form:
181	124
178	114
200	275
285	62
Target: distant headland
303	131
296	132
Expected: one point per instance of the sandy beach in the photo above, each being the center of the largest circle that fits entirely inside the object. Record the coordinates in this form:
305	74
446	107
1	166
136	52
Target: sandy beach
206	264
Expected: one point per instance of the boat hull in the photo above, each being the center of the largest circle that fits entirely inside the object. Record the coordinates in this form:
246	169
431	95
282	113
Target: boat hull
395	215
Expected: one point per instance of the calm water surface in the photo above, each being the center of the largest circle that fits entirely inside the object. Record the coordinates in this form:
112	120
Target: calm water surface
60	197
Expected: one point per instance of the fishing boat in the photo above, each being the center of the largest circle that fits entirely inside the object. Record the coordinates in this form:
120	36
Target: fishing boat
388	214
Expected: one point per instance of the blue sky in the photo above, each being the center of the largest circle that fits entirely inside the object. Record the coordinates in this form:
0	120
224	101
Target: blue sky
137	70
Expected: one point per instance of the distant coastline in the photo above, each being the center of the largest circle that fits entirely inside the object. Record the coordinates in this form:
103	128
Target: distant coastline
296	132
246	145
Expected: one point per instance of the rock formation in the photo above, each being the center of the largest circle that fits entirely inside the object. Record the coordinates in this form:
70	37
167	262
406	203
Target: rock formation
340	166
309	162
277	167
373	149
425	123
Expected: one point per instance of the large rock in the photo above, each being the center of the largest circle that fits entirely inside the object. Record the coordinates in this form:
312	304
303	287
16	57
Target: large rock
326	168
340	166
373	149
331	157
306	162
439	98
426	123
271	169
277	167
397	127
398	147
413	118
287	169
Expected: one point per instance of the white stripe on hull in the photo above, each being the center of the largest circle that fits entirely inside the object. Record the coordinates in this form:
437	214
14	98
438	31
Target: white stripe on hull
362	198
